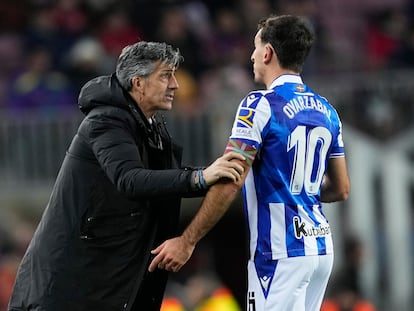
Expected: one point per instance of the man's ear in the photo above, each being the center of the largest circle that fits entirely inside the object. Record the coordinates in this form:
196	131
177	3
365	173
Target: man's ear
137	83
268	54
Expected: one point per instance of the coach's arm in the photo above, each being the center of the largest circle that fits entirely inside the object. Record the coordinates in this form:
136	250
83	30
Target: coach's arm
174	253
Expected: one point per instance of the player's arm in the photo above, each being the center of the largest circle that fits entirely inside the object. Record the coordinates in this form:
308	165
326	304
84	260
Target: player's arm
220	195
215	204
174	253
336	185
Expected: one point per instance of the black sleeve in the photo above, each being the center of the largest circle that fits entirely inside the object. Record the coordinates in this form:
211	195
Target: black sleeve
117	153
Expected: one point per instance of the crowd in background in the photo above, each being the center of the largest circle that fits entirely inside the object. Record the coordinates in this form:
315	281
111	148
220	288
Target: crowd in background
49	49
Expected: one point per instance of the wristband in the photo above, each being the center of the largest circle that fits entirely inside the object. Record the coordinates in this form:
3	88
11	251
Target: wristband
201	182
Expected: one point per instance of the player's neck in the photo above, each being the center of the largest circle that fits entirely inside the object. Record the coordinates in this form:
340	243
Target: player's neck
276	74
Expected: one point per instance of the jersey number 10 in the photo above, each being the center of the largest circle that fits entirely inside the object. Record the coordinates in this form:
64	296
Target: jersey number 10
309	158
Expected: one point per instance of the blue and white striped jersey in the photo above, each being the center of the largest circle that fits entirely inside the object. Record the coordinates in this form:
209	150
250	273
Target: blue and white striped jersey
295	132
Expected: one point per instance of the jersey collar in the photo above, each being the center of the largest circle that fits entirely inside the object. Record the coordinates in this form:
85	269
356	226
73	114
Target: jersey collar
286	78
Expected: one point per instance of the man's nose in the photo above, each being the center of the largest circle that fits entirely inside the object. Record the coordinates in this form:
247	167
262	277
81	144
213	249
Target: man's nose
173	83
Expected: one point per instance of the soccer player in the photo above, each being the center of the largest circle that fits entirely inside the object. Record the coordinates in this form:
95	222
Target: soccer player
292	140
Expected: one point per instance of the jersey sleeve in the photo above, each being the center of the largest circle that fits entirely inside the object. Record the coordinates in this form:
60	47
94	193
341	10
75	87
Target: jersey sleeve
251	118
337	149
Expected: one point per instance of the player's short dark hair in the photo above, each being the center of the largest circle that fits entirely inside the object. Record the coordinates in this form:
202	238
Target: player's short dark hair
290	37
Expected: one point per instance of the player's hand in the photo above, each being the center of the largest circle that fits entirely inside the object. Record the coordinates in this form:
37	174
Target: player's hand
224	167
171	255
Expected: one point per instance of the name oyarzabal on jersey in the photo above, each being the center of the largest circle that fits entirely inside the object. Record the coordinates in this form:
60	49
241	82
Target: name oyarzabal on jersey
301	102
304	101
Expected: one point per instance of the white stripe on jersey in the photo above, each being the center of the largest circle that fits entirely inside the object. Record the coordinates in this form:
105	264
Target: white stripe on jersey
322	220
278	230
251	210
310	242
336	155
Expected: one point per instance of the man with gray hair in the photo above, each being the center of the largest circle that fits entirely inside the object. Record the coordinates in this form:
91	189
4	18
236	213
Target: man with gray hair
117	195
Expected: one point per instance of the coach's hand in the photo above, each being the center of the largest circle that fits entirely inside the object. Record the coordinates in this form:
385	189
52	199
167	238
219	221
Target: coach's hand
226	166
171	255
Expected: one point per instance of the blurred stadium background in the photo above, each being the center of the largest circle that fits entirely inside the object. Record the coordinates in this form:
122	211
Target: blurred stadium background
363	63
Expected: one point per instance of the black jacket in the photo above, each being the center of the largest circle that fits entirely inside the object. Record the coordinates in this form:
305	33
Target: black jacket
116	197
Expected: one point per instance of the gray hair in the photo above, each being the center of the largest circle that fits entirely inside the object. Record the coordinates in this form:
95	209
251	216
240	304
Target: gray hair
140	60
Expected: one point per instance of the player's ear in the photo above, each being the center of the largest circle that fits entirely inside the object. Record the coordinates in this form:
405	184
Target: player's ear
269	53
